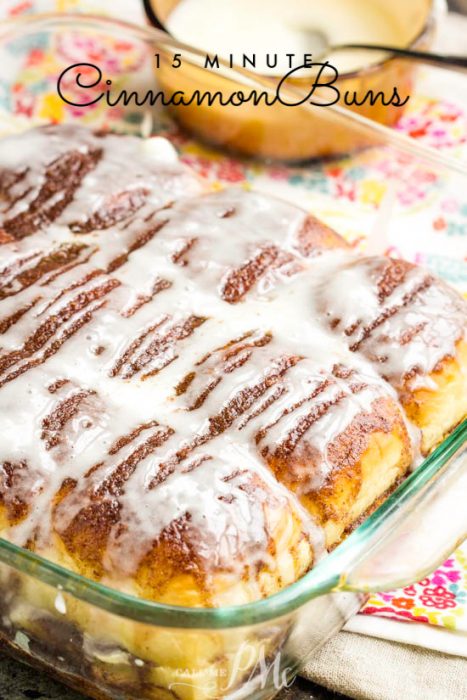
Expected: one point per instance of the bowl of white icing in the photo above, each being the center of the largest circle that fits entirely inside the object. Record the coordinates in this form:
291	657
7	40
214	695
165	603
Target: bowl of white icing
273	41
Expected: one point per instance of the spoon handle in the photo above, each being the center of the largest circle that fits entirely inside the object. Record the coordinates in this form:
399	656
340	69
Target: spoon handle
151	15
436	59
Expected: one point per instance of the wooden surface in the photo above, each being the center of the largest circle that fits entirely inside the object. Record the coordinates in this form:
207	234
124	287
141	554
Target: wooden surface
19	682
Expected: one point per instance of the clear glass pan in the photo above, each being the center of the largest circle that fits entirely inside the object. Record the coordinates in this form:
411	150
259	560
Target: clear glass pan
114	645
358	564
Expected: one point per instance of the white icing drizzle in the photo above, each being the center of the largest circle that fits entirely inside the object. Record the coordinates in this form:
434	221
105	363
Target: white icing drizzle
406	328
135	338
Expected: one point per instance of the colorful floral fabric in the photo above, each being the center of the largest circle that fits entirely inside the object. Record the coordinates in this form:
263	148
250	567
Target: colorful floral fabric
440	599
378	200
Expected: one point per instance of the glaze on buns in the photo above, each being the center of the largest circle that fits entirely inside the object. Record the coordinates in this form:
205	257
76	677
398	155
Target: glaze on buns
200	392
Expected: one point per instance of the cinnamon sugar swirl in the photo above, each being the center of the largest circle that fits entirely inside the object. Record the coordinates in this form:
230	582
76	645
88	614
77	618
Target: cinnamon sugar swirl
200	392
412	328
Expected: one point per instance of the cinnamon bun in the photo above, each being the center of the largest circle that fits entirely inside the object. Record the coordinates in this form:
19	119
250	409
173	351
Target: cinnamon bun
200	392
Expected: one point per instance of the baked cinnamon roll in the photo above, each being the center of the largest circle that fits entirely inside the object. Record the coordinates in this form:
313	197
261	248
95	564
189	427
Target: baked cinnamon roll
412	328
200	392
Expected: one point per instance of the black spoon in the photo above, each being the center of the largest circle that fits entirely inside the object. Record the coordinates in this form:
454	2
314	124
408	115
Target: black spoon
321	47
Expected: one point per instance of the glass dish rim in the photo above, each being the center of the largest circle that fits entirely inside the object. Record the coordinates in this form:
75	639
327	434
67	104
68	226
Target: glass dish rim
323	578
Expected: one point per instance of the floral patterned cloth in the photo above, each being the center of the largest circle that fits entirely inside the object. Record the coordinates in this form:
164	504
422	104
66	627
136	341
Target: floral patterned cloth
376	200
440	599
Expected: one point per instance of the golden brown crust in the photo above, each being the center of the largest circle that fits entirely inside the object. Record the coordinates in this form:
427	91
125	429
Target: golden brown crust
184	566
375	446
441	404
315	236
411	326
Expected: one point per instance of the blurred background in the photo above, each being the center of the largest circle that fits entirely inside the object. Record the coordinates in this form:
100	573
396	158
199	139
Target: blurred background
458	6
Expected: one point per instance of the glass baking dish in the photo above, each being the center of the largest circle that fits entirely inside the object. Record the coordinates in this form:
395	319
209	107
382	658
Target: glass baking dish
110	644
